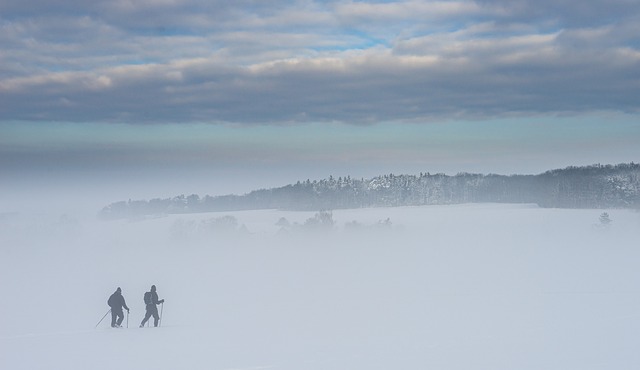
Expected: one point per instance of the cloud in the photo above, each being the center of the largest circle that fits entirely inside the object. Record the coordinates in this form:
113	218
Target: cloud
298	61
567	13
403	10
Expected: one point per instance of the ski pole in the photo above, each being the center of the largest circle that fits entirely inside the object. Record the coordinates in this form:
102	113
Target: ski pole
105	315
161	310
127	319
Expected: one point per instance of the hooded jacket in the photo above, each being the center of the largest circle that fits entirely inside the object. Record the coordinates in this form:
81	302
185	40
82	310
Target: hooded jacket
116	301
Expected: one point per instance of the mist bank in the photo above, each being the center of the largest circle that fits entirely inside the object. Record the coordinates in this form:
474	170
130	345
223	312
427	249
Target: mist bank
596	186
508	286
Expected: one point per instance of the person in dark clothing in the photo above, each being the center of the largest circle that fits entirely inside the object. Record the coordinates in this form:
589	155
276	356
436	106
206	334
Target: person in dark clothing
116	302
151	300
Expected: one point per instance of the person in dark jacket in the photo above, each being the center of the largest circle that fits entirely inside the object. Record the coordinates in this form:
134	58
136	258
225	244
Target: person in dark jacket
116	302
151	300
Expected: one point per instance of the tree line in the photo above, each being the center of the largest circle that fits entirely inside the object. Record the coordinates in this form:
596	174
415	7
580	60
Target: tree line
595	186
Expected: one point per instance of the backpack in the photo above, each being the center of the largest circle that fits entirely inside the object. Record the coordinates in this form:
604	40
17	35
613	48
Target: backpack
147	298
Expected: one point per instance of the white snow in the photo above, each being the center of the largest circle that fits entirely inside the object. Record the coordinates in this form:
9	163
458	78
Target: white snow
497	287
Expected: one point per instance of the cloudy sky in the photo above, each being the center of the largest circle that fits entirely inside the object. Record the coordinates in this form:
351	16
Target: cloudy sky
226	96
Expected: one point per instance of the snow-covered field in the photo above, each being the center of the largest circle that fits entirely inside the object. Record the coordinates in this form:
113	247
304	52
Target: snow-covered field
496	287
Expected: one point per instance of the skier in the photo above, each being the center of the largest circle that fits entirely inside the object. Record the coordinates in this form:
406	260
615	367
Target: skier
116	302
151	300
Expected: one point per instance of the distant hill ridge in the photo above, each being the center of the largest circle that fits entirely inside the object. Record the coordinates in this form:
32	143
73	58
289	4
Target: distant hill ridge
595	186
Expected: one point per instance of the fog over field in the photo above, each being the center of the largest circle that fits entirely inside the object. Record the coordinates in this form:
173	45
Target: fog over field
482	286
119	120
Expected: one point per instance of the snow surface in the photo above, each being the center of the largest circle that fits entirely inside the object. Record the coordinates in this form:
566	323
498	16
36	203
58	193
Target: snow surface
446	287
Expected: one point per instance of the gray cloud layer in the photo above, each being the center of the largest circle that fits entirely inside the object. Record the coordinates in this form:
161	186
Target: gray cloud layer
292	61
